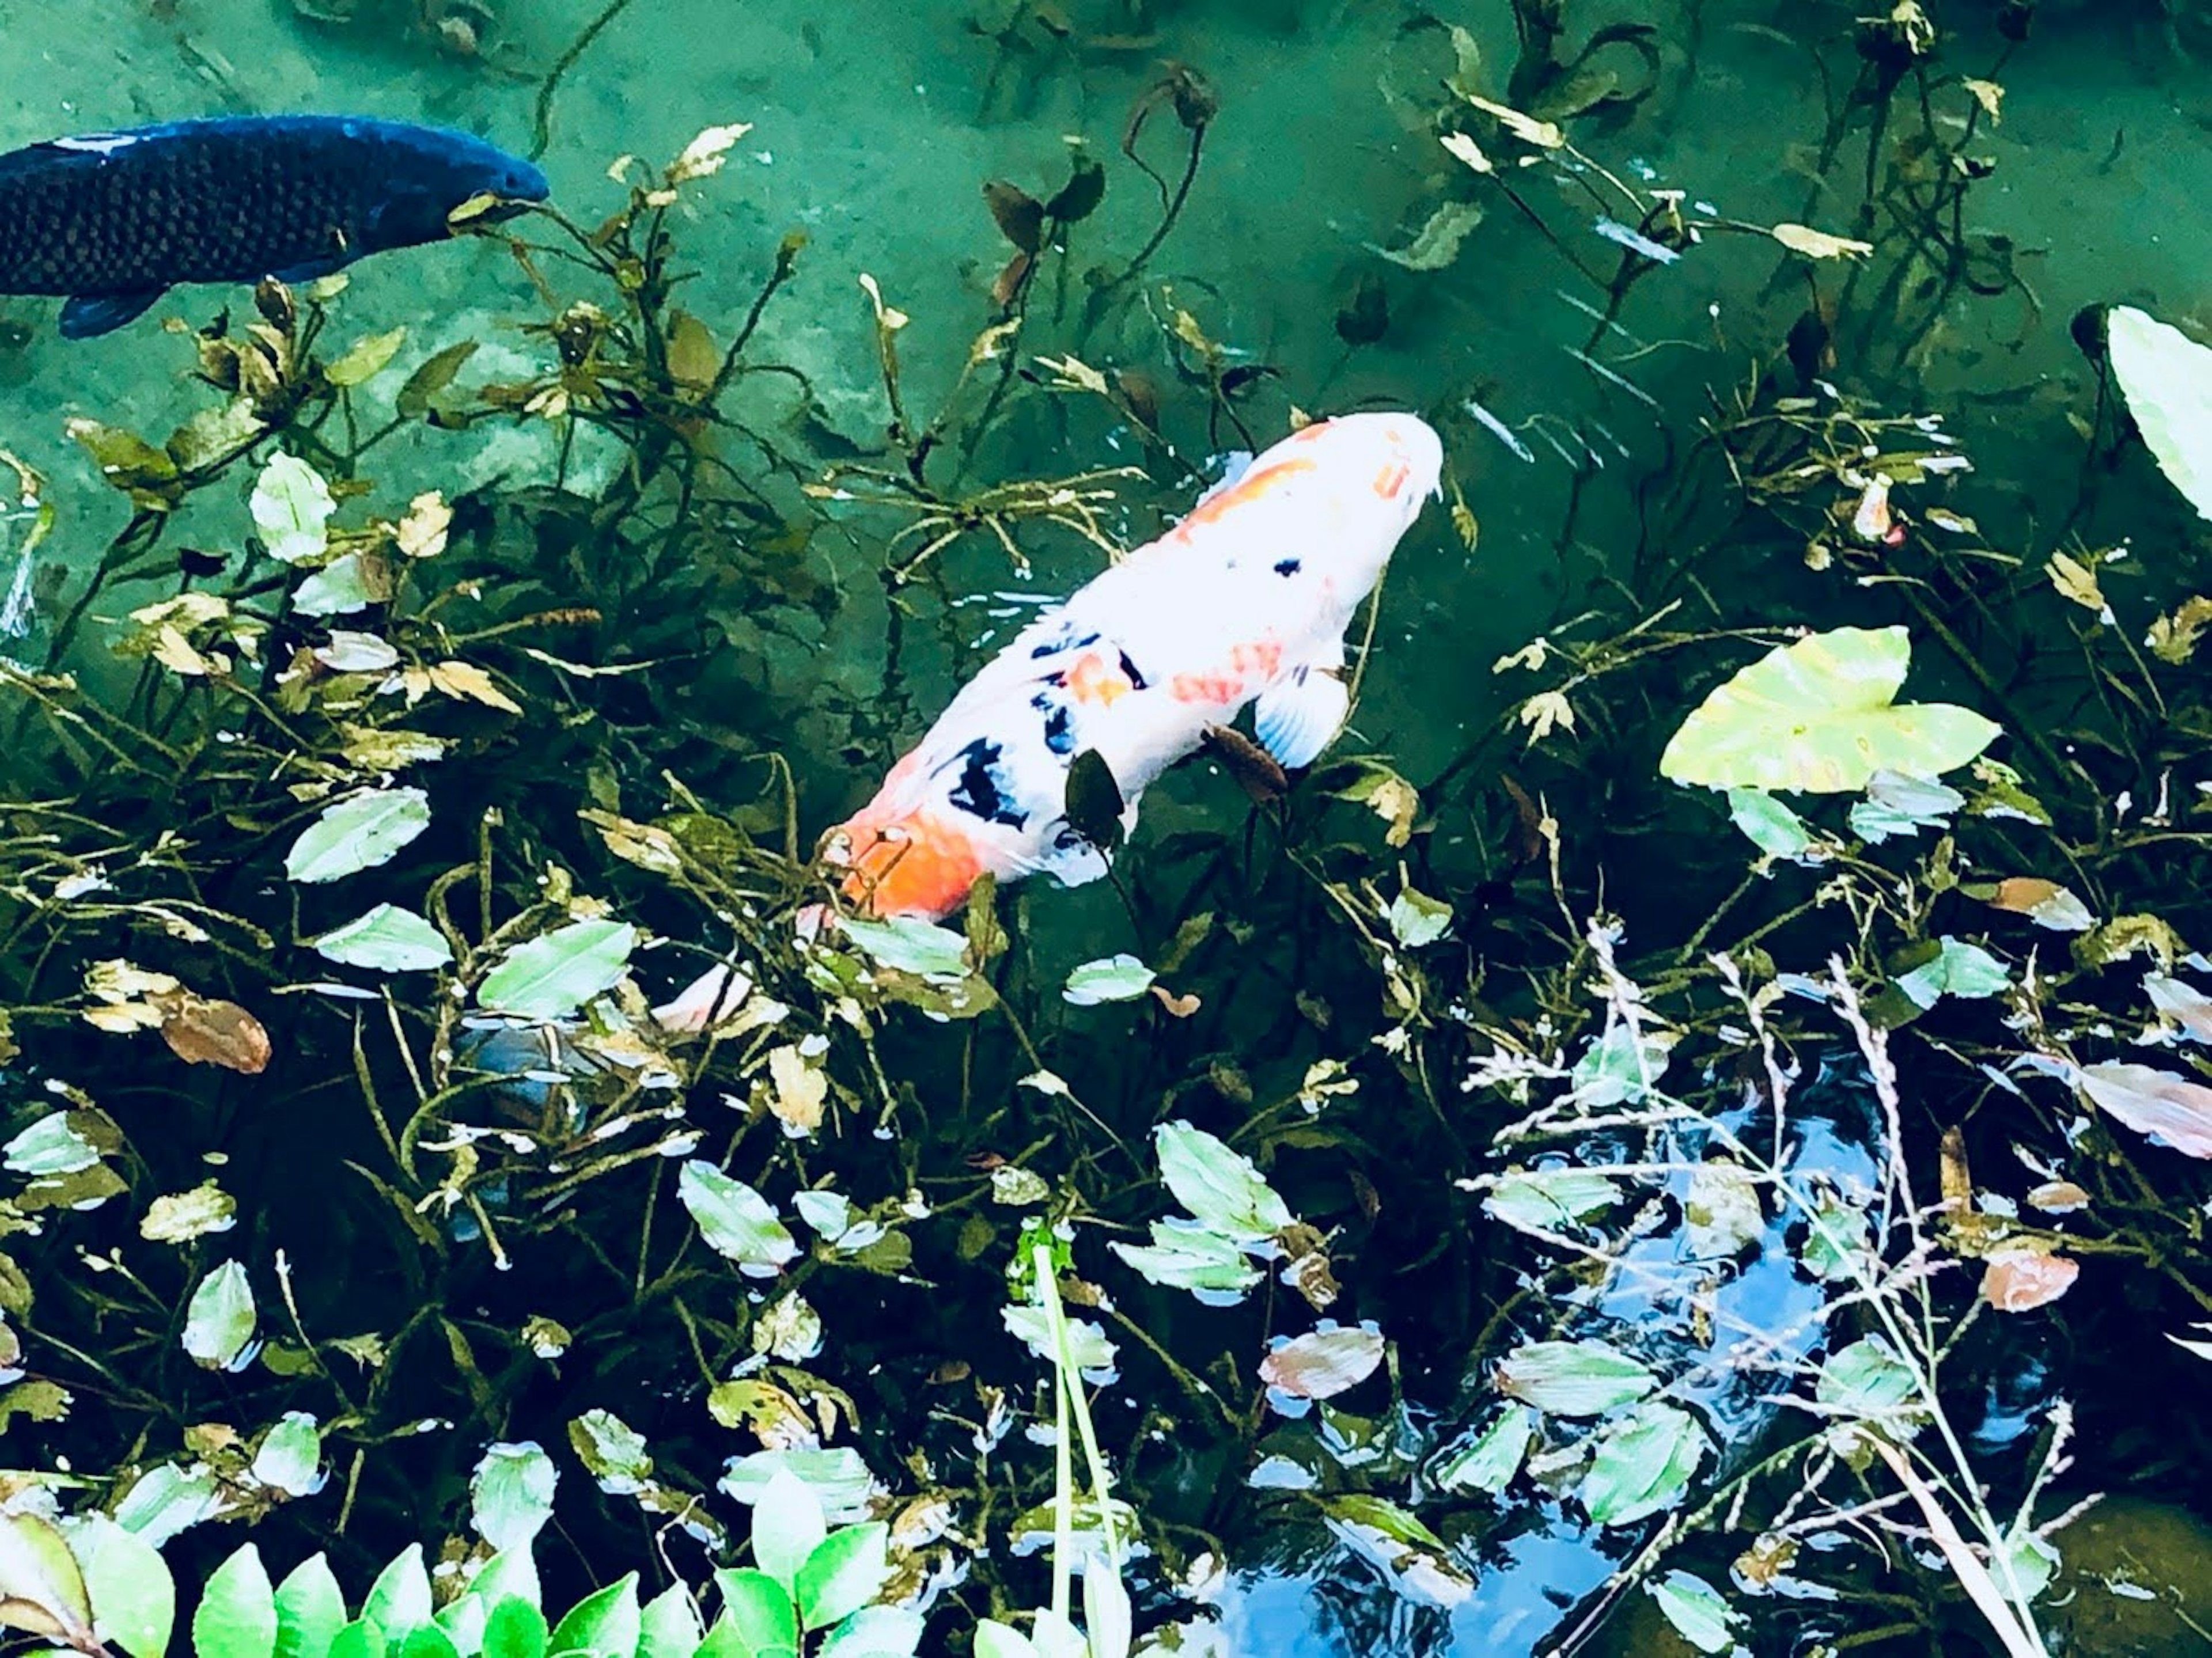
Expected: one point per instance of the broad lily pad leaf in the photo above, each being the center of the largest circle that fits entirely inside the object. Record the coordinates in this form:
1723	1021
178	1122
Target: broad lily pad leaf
1643	1464
42	1589
1573	1378
292	508
1547	1199
237	1614
1696	1610
1820	716
2167	377
511	1494
358	833
908	944
2172	1110
737	1222
1321	1364
842	1574
388	939
1494	1456
1111	979
219	1321
134	1600
1218	1186
550	978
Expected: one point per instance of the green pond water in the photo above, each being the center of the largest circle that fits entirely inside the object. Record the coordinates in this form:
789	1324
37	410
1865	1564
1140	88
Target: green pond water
874	126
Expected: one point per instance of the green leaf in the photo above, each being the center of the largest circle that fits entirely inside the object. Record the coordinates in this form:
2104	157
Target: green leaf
1185	1255
1897	805
1221	1187
511	1575
1837	1236
757	1611
349	582
289	1457
606	1624
463	1621
399	1601
511	1494
906	944
516	1629
787	1525
49	1146
1820	716
388	939
1489	1462
361	1639
878	1632
997	1640
128	462
237	1614
613	1452
1867	1380
1770	826
843	1573
1573	1378
434	376
133	1598
669	1625
365	358
166	1500
838	1478
551	977
1111	979
1417	919
219	1320
42	1588
1546	1199
358	833
737	1222
2167	377
1696	1610
310	1610
292	508
1436	244
1958	969
1643	1464
430	1640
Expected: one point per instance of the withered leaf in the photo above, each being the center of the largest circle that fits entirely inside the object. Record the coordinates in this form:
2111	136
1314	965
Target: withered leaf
1094	800
1252	766
1019	216
203	1032
1079	197
2171	1109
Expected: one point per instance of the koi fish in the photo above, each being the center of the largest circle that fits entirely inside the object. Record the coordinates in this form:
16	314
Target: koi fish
1245	602
114	219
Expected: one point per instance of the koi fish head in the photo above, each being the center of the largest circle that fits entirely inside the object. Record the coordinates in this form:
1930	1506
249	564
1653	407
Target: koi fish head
917	862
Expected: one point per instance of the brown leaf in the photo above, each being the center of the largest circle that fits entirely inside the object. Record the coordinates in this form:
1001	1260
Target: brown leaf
1019	214
1009	281
200	1031
2044	902
2059	1197
2018	1280
2172	1110
1252	766
1179	1007
1322	1363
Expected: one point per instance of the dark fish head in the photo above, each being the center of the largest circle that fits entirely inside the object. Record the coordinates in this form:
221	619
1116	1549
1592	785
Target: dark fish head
430	171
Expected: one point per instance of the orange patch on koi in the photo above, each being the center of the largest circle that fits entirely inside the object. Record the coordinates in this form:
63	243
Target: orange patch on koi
919	865
1265	654
1391	479
1091	680
1254	484
1222	688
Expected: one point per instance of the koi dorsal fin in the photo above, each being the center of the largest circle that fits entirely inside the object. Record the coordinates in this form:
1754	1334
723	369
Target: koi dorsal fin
1300	714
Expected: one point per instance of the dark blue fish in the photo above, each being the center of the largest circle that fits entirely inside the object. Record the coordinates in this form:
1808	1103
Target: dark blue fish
113	219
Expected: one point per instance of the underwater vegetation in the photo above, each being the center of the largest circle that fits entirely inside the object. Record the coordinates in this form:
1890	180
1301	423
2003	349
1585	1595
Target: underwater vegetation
1683	1124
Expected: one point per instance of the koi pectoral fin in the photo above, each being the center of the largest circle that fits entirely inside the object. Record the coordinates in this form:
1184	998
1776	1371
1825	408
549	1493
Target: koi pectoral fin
90	314
1300	714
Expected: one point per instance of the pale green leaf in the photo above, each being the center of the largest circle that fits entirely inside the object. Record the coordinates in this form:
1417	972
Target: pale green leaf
398	1601
1111	979
1489	1460
757	1612
290	1457
550	978
388	939
1185	1256
842	1574
906	944
1573	1378
511	1494
838	1478
1547	1199
2167	377
737	1222
42	1588
134	1600
358	833
219	1320
1820	715
1643	1464
787	1527
1217	1185
237	1614
1696	1610
1768	823
292	506
310	1610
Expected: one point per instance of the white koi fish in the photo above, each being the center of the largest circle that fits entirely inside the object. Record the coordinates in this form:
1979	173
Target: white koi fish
1245	602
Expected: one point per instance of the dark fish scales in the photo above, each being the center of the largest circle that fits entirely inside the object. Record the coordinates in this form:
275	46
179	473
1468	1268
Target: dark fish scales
113	219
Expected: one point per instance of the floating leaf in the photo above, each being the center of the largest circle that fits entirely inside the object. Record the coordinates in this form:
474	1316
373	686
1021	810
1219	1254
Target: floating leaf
358	833
2167	377
2044	902
1494	1456
1866	1380
1218	1186
1897	804
365	358
511	1494
1543	134
203	1032
1722	1211
434	376
907	944
1695	1609
289	1457
292	506
1417	919
1573	1378
550	977
1088	1347
1643	1464
1112	978
1184	1255
2018	1280
465	681
737	1222
838	1478
1323	1362
1959	969
2172	1110
1546	1199
1819	715
1436	244
1770	826
219	1319
1818	244
388	939
1018	214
